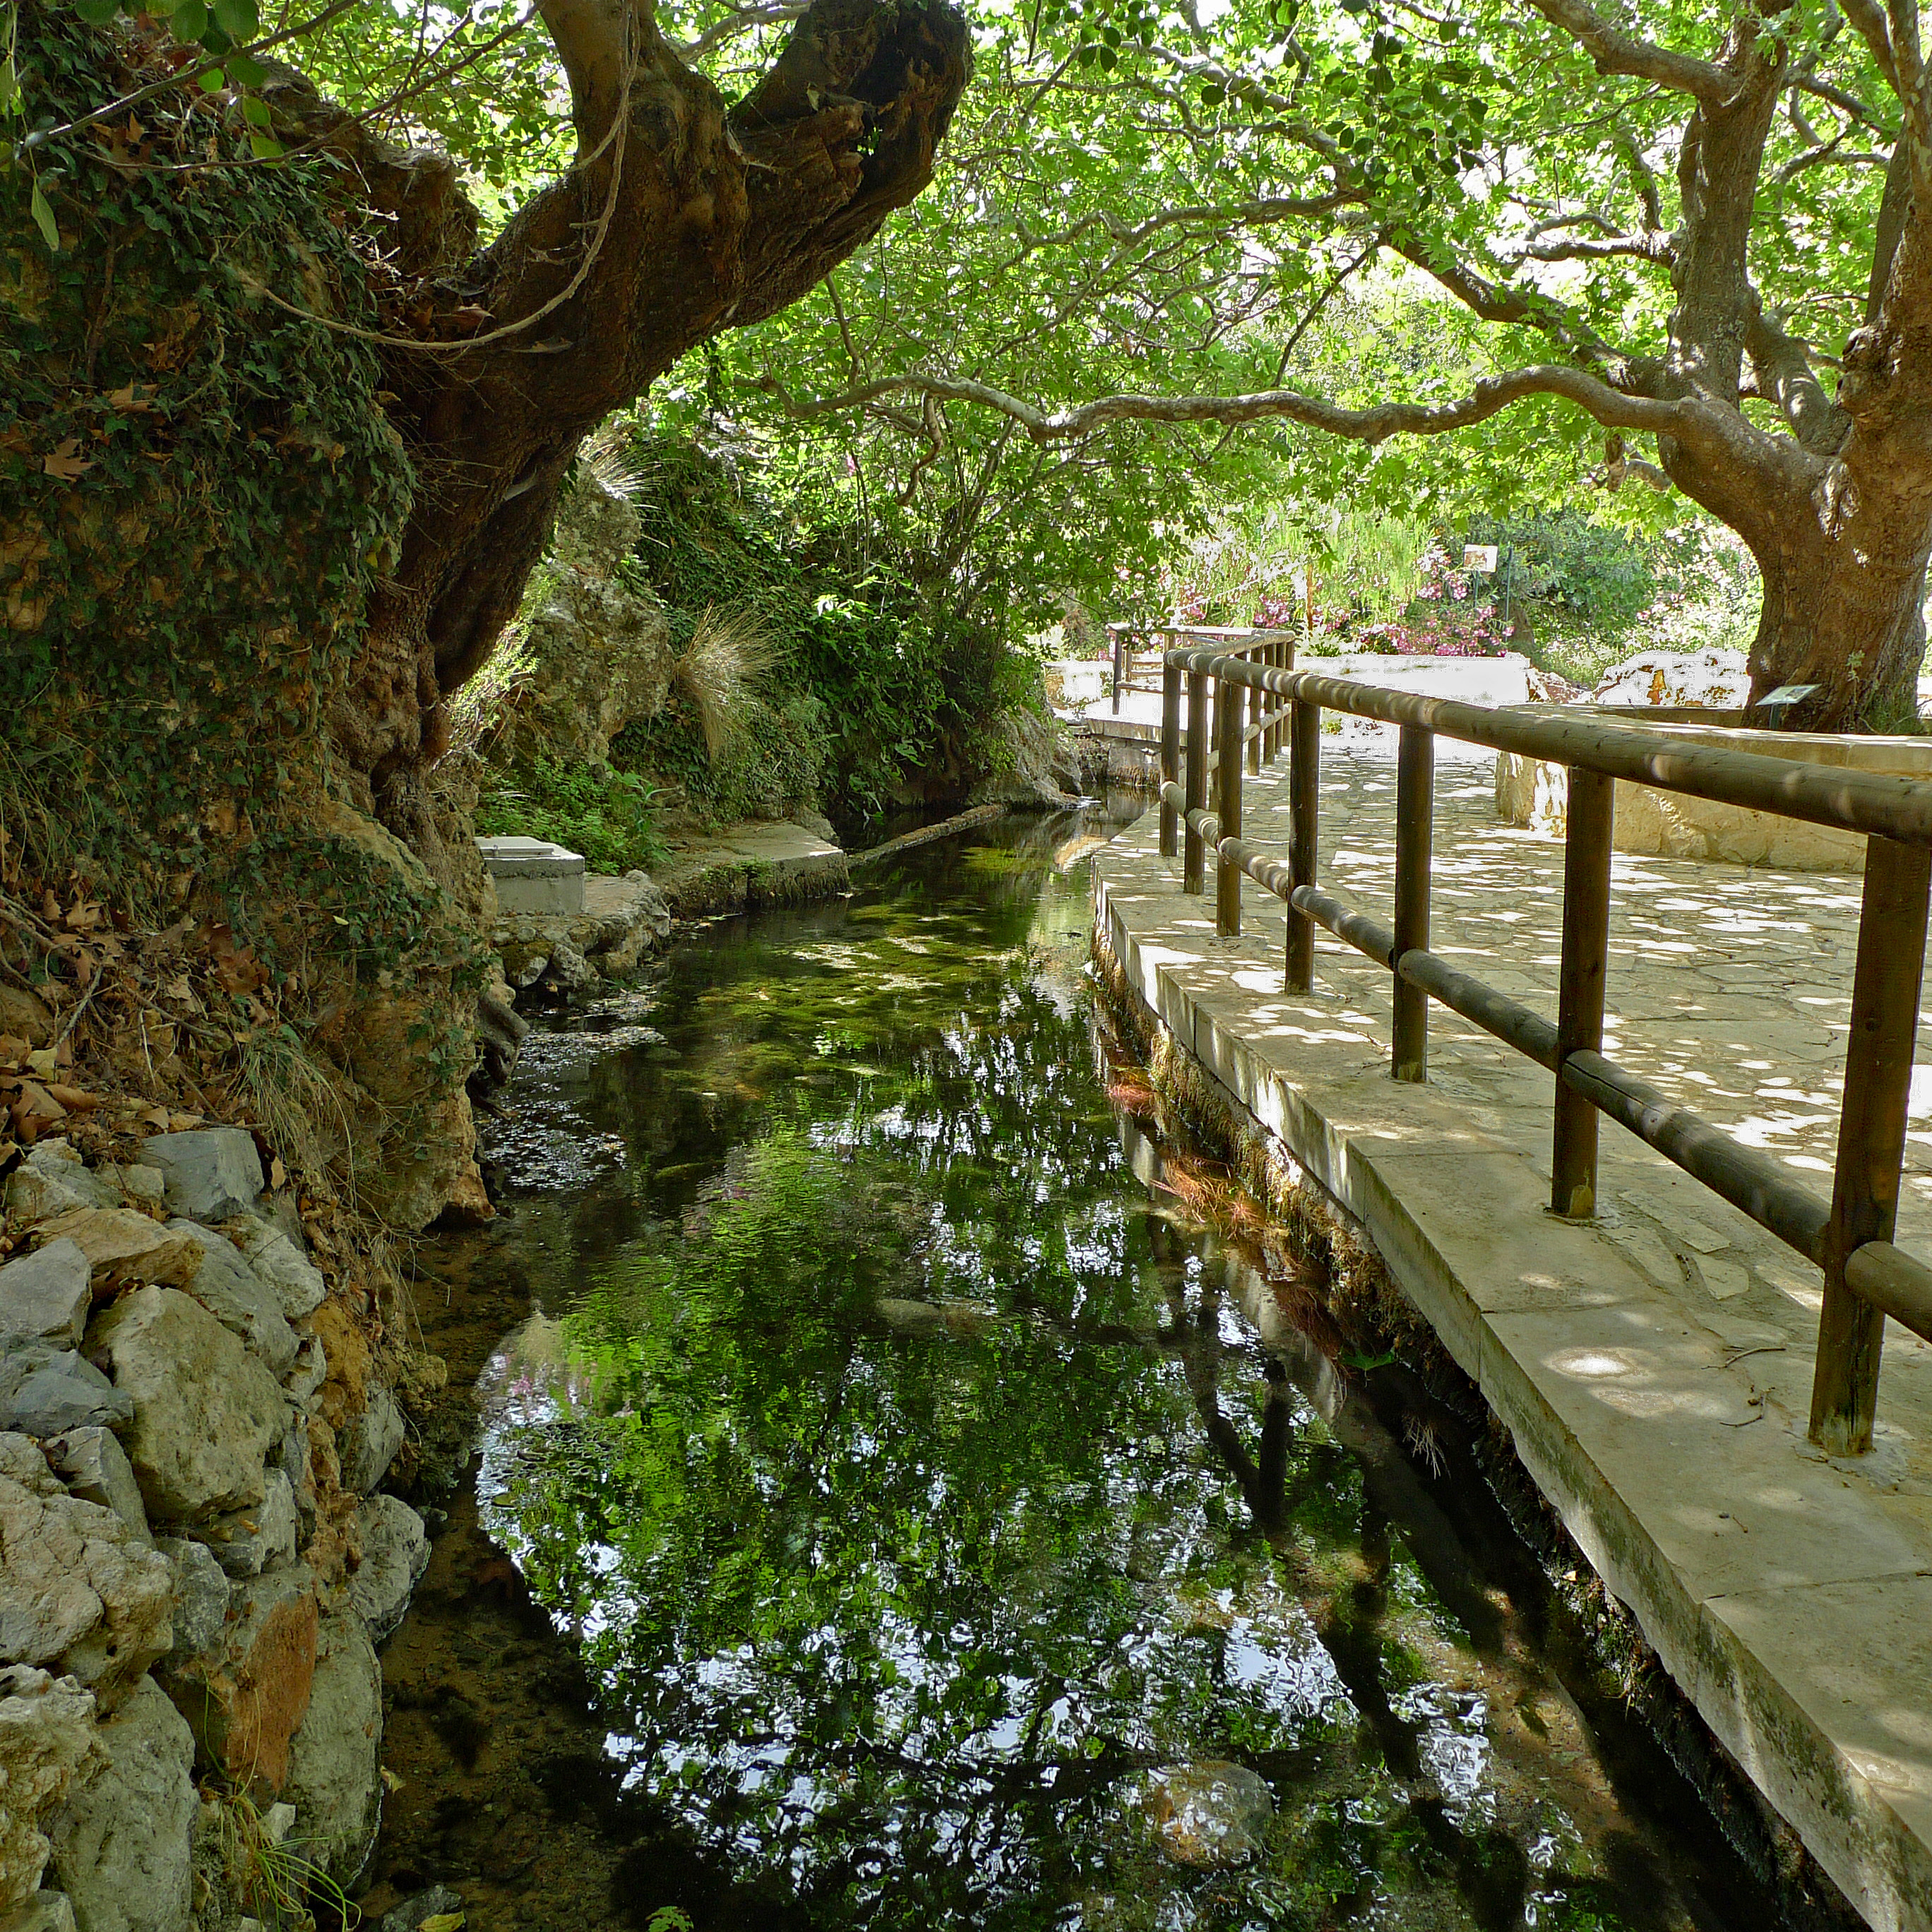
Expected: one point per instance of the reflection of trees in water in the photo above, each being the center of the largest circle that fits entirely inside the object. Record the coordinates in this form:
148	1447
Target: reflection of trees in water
1490	1869
890	1623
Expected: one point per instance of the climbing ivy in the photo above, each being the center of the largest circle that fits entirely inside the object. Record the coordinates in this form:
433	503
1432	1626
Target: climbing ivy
200	489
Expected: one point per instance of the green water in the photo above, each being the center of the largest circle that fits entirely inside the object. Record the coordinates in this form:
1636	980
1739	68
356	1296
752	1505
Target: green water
918	1482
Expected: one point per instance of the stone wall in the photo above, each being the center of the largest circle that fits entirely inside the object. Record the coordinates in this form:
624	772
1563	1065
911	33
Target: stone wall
195	1568
1535	793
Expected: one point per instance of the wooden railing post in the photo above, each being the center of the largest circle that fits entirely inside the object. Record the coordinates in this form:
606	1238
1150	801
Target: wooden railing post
1170	754
1117	637
1304	794
1257	705
1871	1134
1414	814
1579	999
1196	787
1229	711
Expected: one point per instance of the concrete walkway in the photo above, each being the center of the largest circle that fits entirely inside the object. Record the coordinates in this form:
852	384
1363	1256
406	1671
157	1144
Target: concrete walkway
1654	1369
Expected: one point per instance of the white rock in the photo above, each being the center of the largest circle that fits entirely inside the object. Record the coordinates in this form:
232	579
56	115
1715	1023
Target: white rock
247	1541
209	1173
46	1730
206	1412
44	1390
1212	1812
52	1180
95	1467
147	1185
238	1297
47	1295
122	1840
308	1372
368	1442
45	1912
202	1594
81	1593
395	1553
335	1779
281	1263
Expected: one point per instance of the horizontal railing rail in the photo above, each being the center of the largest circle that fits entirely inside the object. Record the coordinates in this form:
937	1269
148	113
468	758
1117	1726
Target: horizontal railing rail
1866	1276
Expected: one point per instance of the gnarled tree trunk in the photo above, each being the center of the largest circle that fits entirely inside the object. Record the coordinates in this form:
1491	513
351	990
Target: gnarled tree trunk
682	217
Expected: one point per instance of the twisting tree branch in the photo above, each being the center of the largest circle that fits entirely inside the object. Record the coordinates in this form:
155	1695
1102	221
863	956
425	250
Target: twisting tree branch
1614	52
1689	421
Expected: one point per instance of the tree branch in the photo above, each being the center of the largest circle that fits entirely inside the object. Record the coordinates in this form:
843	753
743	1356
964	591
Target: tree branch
1783	368
1256	214
1614	51
1690	422
1867	18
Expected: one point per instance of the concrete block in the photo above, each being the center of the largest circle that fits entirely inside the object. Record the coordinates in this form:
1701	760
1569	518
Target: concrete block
209	1173
532	875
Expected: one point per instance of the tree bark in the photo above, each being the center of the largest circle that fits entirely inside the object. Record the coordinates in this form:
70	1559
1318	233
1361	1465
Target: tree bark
696	217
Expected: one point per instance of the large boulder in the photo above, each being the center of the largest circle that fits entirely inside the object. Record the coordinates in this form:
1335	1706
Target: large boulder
46	1391
46	1730
81	1593
122	1246
209	1173
395	1553
244	1700
335	1780
46	1297
238	1297
206	1413
122	1840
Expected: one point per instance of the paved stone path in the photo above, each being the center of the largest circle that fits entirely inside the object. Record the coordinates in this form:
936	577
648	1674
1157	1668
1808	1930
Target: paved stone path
1655	1368
1730	988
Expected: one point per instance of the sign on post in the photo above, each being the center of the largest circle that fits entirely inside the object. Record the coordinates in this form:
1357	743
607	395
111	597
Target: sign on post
1479	556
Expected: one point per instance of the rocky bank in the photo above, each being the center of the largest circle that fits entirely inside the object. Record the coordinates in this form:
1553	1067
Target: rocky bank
198	1409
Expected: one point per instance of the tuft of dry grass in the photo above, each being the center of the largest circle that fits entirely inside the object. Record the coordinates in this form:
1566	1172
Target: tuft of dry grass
719	671
607	453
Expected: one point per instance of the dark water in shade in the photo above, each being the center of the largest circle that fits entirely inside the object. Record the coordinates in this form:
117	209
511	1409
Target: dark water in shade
916	1480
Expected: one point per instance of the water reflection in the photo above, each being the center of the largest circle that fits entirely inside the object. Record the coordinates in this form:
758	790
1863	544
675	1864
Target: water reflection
918	1483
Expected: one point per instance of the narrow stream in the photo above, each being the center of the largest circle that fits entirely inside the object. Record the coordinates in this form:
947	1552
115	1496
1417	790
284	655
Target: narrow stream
896	1512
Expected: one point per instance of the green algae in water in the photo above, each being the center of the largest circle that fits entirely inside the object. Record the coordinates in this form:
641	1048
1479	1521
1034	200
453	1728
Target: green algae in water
918	1491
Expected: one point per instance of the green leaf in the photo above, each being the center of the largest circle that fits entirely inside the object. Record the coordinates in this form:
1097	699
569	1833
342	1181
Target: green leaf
246	70
256	113
189	21
97	13
237	19
10	84
266	147
38	205
210	80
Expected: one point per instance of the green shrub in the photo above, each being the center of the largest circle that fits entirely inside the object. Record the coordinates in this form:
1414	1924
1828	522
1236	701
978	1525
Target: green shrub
592	807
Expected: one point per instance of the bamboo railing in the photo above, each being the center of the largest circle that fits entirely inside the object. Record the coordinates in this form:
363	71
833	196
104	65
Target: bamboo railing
1867	1277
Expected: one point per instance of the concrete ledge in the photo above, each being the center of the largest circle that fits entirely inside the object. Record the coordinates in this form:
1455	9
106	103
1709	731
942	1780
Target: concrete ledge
532	876
1789	1597
772	863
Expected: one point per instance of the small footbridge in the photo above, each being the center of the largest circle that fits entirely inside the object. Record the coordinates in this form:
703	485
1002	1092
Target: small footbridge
1705	1333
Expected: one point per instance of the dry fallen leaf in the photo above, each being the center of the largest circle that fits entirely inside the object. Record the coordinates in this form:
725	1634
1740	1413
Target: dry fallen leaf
67	465
128	399
72	1098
